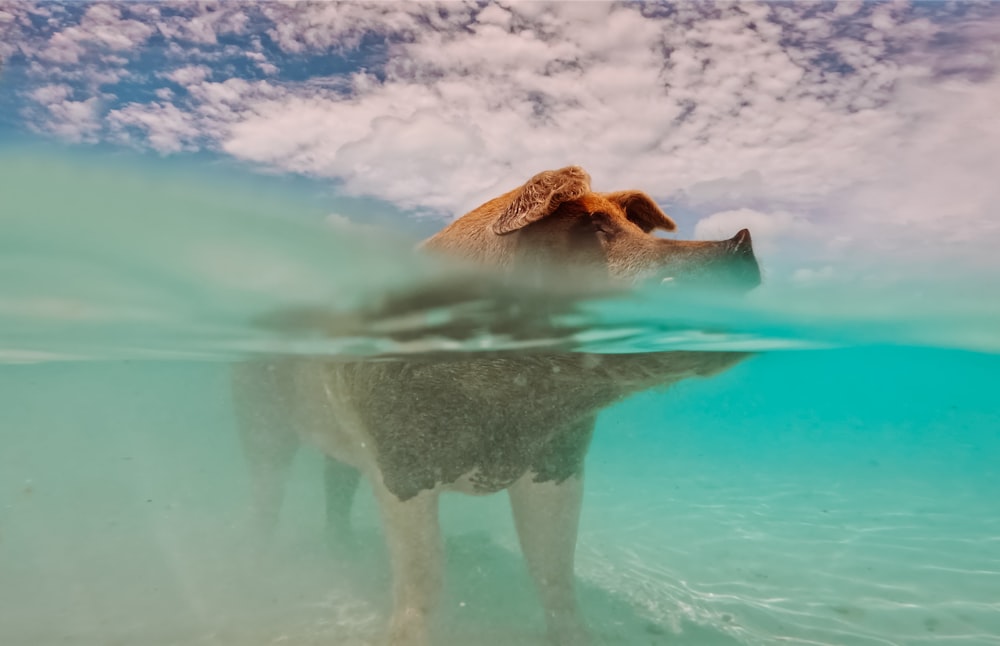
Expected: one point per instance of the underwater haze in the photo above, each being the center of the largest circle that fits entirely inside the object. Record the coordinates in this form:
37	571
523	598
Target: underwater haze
839	487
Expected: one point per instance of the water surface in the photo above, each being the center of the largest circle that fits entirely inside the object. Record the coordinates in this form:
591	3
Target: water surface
840	487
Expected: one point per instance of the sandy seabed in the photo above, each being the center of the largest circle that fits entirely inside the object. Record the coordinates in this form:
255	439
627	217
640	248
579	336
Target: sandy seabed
711	559
123	519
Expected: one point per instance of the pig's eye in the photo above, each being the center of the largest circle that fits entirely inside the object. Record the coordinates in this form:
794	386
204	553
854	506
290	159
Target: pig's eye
602	223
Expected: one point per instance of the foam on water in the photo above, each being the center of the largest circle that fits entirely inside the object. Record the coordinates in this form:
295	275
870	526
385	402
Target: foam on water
841	491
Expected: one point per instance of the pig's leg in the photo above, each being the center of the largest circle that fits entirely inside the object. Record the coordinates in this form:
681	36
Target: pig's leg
546	515
341	482
260	394
413	535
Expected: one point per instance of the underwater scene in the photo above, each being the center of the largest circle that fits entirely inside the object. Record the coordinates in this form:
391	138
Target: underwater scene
838	485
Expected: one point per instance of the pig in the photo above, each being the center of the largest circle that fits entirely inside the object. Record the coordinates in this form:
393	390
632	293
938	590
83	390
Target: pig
483	422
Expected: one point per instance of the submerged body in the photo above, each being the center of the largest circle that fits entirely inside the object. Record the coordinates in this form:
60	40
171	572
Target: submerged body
480	423
471	424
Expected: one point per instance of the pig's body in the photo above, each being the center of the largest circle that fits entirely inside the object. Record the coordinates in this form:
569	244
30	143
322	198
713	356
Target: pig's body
484	422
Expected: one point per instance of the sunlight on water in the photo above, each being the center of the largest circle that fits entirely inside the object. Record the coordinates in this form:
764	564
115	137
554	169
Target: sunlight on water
839	488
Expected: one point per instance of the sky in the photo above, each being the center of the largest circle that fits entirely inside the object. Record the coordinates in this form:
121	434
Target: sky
842	134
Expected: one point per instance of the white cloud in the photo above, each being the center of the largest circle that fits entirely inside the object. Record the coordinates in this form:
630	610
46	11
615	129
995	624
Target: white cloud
268	68
189	74
766	228
342	223
51	93
12	21
75	121
811	275
166	128
201	23
300	27
260	60
486	109
841	123
102	25
338	221
62	49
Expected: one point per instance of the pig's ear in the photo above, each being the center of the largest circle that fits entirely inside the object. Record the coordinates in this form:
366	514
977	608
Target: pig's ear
642	210
540	196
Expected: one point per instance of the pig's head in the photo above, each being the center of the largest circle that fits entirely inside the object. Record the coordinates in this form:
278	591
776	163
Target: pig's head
555	224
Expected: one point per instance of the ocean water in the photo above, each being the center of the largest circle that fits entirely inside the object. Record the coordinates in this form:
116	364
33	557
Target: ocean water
839	487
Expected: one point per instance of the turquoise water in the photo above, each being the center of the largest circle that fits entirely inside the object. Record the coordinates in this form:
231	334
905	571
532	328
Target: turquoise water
840	487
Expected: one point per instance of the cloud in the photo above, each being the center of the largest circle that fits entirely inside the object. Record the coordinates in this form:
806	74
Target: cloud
485	107
51	93
75	121
809	275
837	125
163	126
13	19
260	60
940	185
301	27
200	23
767	228
103	27
189	74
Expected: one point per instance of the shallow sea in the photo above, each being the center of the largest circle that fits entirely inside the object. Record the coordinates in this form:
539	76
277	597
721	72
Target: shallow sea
840	487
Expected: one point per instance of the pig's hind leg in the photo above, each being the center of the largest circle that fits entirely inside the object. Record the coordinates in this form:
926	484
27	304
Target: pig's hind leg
340	482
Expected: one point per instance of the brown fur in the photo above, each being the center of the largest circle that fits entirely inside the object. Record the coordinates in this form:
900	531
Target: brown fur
555	222
479	423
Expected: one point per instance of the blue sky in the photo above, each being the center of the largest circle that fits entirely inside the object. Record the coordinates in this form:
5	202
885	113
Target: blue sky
839	132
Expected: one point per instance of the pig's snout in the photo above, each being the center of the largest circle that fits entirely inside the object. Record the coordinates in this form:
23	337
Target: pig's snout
743	268
741	244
